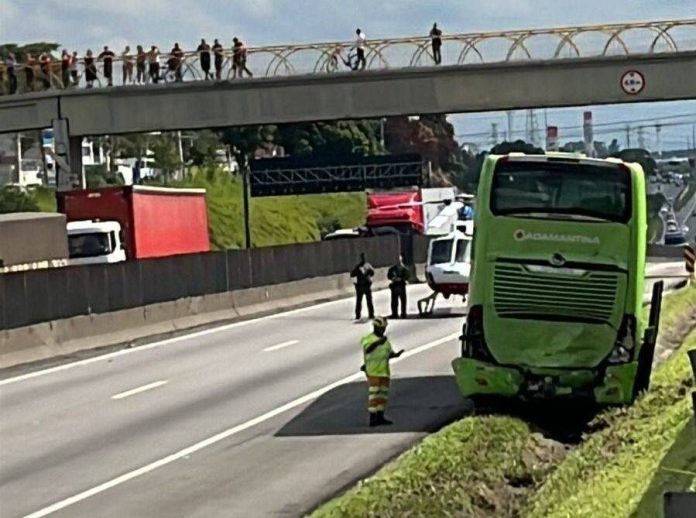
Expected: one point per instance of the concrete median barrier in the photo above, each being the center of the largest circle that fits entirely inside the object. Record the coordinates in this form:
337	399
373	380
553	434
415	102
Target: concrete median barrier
67	336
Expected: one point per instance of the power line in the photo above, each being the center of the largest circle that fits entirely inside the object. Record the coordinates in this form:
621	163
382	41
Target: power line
608	127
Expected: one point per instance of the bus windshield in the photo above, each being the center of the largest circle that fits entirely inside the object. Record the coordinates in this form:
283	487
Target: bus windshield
561	191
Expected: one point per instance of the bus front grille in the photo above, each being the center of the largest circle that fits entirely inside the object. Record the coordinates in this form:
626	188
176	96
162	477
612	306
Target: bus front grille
554	293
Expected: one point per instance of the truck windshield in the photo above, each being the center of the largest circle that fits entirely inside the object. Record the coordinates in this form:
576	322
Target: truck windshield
89	245
561	190
441	251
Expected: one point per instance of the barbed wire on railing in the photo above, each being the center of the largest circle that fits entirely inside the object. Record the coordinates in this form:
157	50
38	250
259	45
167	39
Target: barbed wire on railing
332	57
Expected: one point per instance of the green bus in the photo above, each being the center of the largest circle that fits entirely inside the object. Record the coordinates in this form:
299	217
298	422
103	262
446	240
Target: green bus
557	284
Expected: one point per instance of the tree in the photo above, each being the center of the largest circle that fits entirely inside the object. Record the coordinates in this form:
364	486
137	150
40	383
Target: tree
16	200
243	142
641	156
204	148
519	146
35	49
166	154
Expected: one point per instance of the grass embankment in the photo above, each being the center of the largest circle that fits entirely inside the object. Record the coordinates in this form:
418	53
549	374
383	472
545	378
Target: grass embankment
275	220
685	196
497	465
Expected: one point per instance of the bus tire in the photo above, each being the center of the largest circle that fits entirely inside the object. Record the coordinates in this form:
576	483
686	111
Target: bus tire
645	361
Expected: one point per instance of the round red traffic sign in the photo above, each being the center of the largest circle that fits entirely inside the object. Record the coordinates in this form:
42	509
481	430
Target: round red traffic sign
632	82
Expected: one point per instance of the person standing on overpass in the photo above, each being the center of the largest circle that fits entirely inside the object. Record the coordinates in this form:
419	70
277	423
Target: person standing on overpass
204	56
377	351
219	54
398	276
361	63
107	56
362	278
436	42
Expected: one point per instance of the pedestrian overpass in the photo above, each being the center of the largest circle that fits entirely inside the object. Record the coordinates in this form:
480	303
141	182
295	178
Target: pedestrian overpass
655	73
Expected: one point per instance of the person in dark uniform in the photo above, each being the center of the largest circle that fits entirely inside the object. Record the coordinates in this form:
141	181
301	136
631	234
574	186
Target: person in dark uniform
362	278
398	276
204	55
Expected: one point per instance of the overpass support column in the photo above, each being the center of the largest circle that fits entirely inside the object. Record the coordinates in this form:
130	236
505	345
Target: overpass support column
68	157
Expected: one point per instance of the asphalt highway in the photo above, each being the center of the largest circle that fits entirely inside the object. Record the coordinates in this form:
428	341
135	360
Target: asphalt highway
259	418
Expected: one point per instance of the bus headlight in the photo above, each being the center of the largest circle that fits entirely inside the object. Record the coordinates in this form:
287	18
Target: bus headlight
625	341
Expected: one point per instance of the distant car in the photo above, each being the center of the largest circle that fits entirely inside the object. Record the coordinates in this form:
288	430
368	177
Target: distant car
344	233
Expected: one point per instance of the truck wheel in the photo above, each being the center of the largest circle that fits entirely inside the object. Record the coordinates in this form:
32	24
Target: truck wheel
645	361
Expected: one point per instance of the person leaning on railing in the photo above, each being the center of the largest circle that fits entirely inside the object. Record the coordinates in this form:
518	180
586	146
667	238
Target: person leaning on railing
74	72
29	64
140	60
65	68
153	60
90	68
127	66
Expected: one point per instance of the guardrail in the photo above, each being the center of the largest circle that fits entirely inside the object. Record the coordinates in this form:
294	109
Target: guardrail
32	297
332	57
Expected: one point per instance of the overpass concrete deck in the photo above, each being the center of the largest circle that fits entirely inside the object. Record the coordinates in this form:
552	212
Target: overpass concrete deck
354	95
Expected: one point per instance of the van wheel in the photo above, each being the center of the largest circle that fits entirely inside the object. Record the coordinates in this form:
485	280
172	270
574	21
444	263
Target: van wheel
645	361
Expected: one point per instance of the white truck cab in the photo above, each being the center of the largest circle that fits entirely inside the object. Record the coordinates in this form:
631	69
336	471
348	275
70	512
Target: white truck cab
95	242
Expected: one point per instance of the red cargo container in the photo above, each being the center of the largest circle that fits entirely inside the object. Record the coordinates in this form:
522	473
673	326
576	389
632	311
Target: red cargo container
156	221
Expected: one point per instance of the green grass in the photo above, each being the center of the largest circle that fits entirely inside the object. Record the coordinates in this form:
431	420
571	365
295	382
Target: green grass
496	466
44	198
473	467
677	472
611	471
685	196
275	220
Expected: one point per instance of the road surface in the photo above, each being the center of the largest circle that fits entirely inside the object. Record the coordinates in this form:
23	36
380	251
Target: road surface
244	420
258	418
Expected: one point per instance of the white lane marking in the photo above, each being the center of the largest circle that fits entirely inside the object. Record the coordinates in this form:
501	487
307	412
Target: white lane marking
153	345
138	390
221	436
281	346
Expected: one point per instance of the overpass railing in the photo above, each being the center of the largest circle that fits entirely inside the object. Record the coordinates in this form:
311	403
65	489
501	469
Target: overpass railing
334	57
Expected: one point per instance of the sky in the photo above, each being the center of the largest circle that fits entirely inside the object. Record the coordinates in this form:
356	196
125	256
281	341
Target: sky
77	24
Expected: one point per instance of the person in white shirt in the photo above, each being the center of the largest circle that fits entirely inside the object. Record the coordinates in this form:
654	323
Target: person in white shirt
361	63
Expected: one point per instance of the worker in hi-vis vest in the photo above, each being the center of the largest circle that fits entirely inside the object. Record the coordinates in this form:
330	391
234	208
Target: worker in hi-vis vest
377	351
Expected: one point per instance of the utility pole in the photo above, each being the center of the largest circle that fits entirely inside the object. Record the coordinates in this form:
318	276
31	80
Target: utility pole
628	136
494	134
19	159
641	137
658	130
509	126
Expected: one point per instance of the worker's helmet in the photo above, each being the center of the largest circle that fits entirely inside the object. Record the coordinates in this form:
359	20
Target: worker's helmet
380	322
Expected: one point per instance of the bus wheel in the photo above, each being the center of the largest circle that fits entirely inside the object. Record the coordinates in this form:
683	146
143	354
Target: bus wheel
645	361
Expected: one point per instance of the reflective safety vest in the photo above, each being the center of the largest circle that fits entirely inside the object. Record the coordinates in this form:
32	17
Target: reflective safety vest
377	361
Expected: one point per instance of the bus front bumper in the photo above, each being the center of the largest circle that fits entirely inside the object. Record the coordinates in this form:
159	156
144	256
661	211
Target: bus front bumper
475	377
